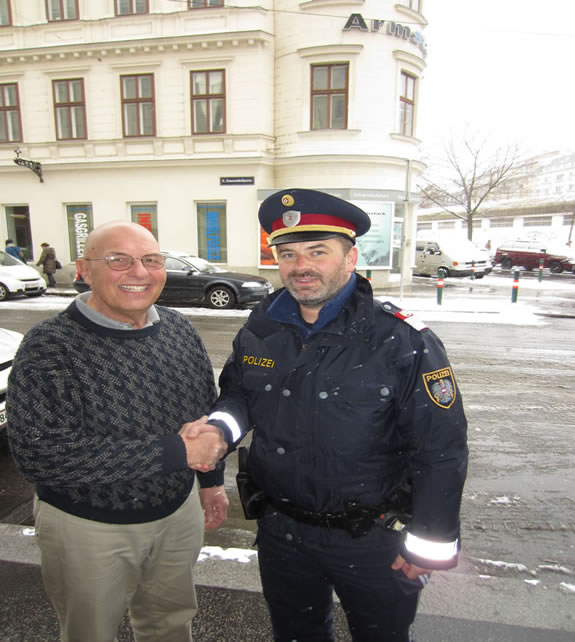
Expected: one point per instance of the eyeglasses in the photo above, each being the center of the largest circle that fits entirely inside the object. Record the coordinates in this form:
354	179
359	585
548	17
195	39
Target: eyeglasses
122	262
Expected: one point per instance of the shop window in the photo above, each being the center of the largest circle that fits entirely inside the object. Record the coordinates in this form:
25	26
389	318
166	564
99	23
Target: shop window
130	7
61	10
10	122
138	105
329	96
69	109
212	236
146	215
5	13
208	101
407	104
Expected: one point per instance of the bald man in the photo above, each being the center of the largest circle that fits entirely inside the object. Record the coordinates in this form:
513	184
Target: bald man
104	401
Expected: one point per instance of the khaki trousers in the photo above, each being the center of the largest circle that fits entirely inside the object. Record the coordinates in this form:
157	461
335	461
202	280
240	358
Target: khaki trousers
93	572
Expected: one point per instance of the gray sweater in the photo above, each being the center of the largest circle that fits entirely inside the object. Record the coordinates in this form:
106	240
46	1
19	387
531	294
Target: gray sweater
94	414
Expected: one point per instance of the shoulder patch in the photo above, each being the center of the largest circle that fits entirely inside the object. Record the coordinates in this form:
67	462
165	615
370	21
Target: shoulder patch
404	315
440	386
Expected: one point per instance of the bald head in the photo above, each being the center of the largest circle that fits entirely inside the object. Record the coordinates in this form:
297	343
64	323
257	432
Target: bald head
106	235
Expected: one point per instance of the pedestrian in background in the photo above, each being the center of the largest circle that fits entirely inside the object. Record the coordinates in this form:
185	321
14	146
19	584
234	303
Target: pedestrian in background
14	250
49	263
99	398
352	403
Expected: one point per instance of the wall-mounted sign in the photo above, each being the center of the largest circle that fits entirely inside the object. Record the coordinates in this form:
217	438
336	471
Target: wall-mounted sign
236	180
79	226
387	27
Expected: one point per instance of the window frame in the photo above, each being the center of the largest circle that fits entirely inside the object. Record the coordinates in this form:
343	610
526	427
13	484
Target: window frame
404	100
410	5
9	8
206	4
5	109
208	97
329	92
133	6
62	4
69	105
138	101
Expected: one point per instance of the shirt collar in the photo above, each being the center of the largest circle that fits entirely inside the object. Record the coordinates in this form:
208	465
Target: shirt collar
107	322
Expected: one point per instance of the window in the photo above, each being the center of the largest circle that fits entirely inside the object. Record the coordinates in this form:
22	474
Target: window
208	101
61	10
129	7
412	4
202	4
5	13
10	124
69	109
535	221
407	104
212	237
146	215
138	110
329	96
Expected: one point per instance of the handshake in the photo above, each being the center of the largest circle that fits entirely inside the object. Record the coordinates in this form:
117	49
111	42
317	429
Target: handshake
205	444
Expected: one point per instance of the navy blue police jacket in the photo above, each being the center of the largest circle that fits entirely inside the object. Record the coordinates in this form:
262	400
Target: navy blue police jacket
349	412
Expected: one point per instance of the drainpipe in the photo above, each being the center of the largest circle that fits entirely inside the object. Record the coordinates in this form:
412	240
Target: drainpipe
403	248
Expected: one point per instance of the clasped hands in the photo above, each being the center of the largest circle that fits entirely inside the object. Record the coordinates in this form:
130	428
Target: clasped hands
205	444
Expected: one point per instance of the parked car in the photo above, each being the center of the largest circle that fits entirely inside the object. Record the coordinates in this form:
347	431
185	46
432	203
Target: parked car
9	342
17	278
455	258
193	279
528	254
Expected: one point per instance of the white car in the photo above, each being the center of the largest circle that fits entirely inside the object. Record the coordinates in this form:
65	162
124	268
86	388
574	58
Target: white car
18	278
9	342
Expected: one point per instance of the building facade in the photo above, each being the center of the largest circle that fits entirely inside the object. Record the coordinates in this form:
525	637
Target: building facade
537	204
183	115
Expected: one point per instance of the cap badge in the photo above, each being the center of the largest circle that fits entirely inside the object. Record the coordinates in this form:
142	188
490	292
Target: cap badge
287	200
291	218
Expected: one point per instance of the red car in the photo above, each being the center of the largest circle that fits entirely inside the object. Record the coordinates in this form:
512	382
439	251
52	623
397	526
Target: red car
528	254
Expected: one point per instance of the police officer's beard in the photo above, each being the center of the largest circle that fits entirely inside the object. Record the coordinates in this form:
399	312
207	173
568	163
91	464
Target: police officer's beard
314	297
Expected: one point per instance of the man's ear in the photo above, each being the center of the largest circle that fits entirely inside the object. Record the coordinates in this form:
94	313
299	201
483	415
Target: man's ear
82	269
352	259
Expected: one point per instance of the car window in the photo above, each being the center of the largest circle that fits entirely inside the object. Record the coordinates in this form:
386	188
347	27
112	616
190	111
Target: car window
204	266
419	247
175	265
6	259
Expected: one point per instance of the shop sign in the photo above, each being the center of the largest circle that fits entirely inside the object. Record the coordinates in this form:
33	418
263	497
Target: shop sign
387	27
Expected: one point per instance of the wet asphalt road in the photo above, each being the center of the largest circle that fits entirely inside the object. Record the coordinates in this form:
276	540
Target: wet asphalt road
518	514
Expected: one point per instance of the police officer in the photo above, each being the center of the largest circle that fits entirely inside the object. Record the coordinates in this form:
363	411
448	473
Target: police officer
350	401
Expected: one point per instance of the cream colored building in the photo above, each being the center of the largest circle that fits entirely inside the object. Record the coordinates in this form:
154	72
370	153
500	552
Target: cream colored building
184	114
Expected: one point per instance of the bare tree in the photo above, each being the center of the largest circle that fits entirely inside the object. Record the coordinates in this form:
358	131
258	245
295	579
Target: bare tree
470	174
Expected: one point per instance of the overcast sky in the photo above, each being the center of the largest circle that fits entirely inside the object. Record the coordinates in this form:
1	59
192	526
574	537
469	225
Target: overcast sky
505	67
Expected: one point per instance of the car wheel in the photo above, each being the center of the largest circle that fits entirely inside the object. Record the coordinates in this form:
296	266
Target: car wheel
221	298
506	263
556	267
3	292
444	270
479	276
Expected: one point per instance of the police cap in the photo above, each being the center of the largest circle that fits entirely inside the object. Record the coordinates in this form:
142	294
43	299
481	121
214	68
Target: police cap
294	215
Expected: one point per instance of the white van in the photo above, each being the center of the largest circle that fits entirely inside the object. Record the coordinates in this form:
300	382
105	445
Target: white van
455	258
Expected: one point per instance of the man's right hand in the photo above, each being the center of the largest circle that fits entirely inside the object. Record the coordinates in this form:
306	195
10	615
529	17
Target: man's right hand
204	443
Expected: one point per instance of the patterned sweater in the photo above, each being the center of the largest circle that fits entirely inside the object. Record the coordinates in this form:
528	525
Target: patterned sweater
94	414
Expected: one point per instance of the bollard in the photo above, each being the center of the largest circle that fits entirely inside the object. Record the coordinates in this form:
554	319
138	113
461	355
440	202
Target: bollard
540	275
472	270
515	289
368	275
439	286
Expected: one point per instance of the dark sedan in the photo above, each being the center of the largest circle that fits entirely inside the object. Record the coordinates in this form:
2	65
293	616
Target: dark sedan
191	279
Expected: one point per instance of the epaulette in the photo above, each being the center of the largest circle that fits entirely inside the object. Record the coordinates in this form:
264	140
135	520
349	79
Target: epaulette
404	315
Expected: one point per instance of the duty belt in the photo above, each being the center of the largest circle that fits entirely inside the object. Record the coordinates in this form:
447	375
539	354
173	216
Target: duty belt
356	519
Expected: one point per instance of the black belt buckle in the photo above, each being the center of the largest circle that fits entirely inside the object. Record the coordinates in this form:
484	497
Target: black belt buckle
359	519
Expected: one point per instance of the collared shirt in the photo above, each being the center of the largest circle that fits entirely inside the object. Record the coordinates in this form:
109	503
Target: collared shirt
285	309
107	322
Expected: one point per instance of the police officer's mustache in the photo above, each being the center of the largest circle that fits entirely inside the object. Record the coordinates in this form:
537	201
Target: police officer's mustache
304	275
